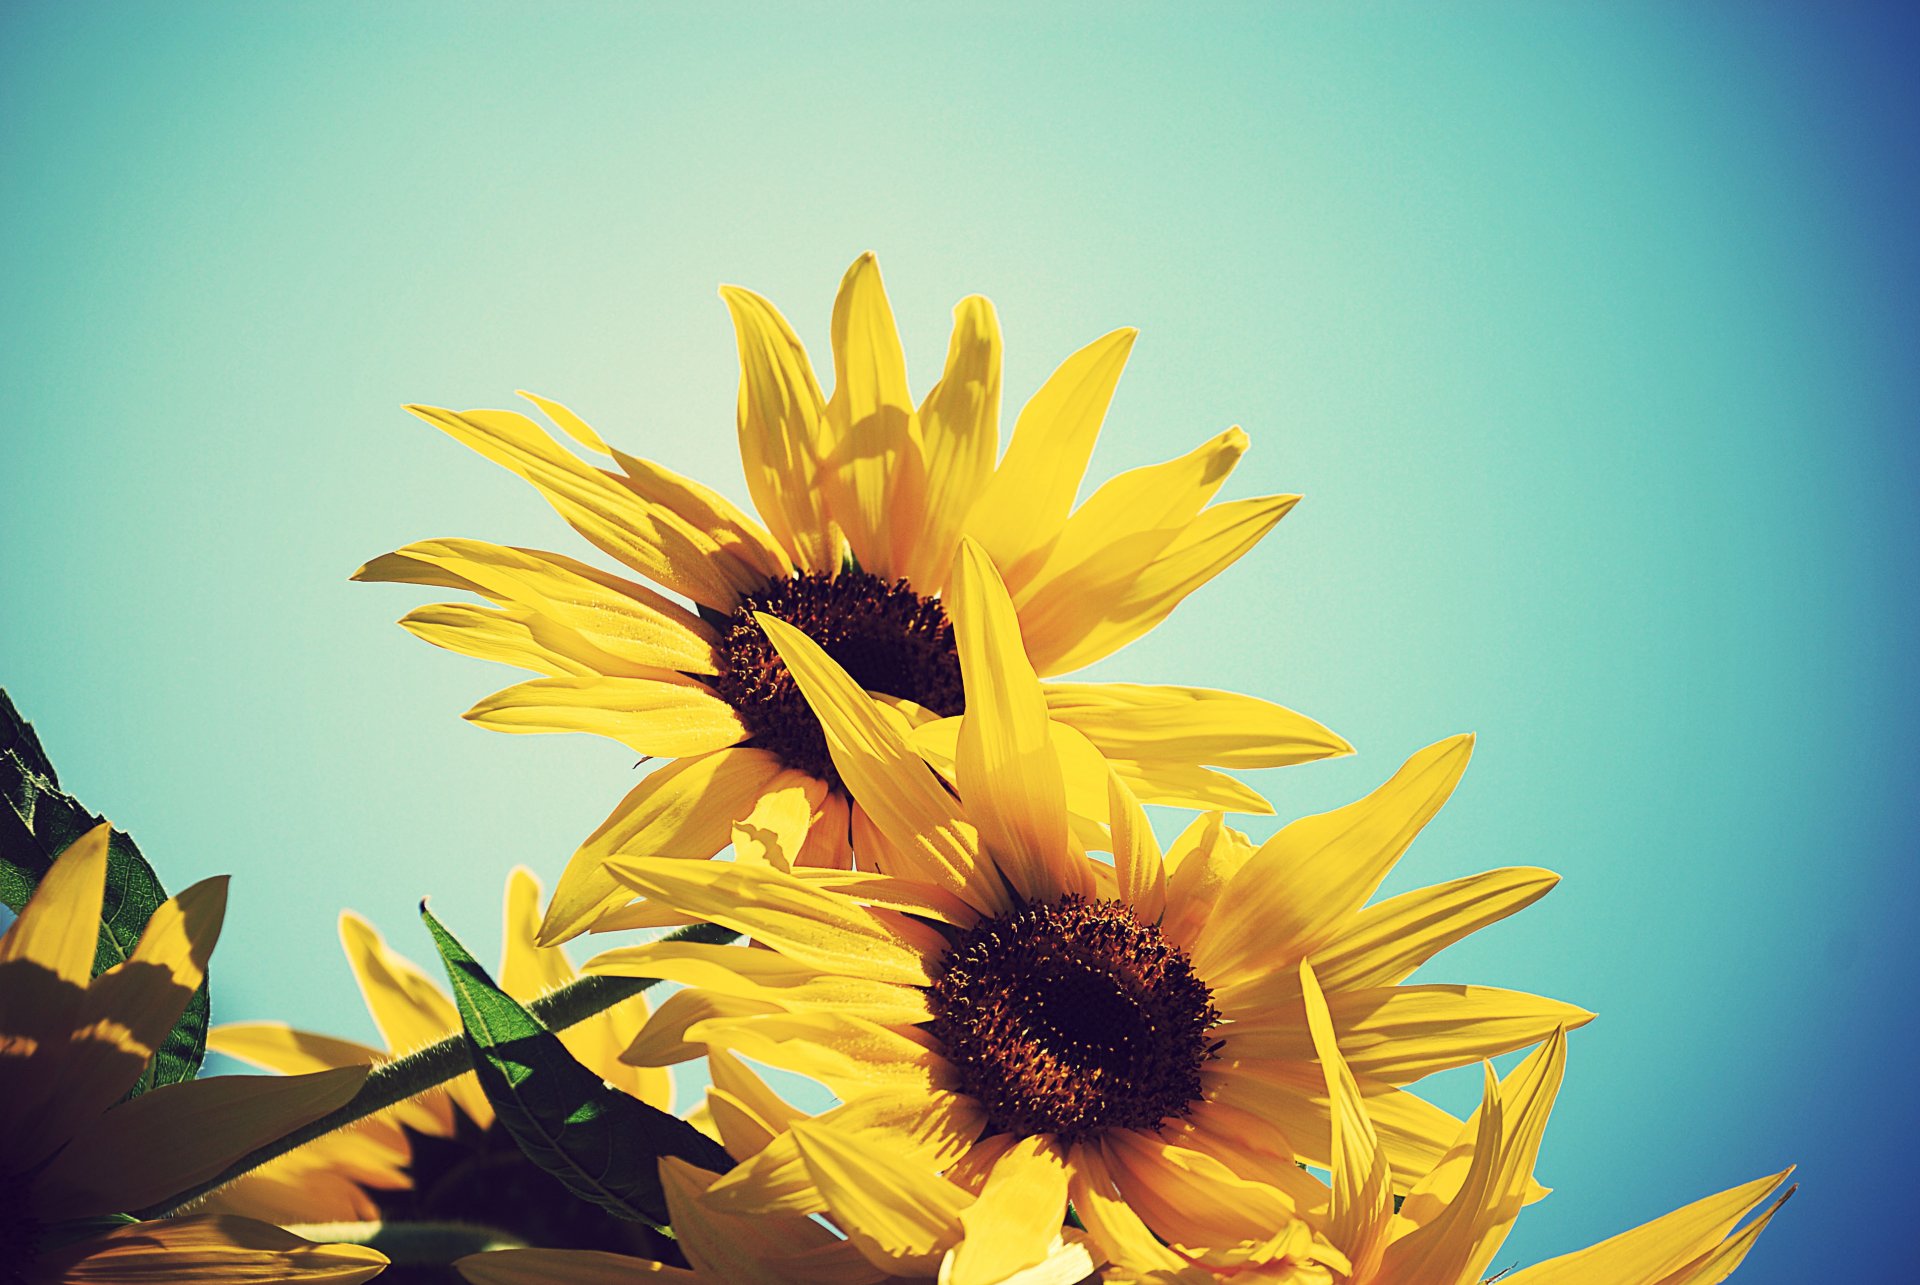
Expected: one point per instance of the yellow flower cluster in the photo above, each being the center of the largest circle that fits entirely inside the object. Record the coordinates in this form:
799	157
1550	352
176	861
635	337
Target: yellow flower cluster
1060	1051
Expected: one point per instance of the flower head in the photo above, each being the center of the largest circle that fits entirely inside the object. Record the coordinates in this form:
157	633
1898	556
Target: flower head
73	1155
864	496
1133	1033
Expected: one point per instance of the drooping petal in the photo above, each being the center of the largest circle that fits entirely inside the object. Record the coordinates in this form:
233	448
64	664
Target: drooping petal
1187	1196
814	928
1028	499
900	1216
876	475
782	432
1214	541
1190	724
650	538
1291	897
1016	1221
625	627
665	716
683	809
960	435
1137	866
1110	1220
1385	942
1669	1249
892	784
711	513
1362	1180
207	1250
172	1137
1008	772
766	975
663	1041
1399	1034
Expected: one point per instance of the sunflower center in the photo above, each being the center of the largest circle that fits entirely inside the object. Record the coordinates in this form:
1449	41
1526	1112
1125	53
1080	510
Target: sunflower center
887	637
1073	1017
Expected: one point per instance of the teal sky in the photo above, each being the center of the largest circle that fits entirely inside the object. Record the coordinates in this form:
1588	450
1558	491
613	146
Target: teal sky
1587	332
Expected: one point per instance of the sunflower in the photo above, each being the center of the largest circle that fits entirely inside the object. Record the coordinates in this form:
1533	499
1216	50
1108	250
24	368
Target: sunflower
346	1176
885	1219
1457	1215
73	1155
993	993
864	497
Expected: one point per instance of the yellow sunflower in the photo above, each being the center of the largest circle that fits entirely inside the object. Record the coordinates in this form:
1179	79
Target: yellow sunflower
885	1218
73	1155
1454	1219
1139	1028
330	1178
864	496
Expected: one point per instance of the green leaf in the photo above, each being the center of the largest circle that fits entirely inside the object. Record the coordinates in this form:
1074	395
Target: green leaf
604	1145
36	825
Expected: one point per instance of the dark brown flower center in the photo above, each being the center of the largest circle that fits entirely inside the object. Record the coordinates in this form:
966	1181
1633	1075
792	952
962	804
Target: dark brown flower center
1073	1017
887	637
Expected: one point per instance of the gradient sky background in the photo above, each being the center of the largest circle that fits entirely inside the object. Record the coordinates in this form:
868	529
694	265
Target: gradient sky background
1588	333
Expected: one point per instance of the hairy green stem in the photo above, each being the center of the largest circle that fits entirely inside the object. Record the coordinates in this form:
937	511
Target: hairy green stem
394	1082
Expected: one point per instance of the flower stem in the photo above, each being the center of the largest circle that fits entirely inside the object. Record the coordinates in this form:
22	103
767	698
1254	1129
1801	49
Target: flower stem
391	1083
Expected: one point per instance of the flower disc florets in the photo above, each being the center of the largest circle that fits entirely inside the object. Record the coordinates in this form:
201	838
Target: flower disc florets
1073	1017
887	637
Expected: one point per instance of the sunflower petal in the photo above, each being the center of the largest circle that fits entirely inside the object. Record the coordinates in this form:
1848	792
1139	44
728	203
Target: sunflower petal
1294	893
960	435
898	1214
782	432
893	786
663	1041
1017	1219
504	635
711	513
1137	866
166	1140
876	478
685	808
850	1055
59	926
203	1250
1008	772
666	716
817	929
1362	1179
567	1267
1028	499
765	975
1668	1249
1385	942
1110	1220
1214	541
1190	724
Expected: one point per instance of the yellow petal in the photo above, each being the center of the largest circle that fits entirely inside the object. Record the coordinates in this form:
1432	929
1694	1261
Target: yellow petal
528	970
1186	1196
711	513
893	786
895	1212
568	422
1191	724
889	893
815	928
664	1041
650	538
1017	1219
201	1250
775	832
1362	1180
172	1137
742	1101
664	717
59	926
932	1128
850	1055
876	474
130	1009
1137	865
782	432
765	975
1187	785
960	435
504	635
409	1010
1214	541
1111	1222
727	1247
1399	1034
1008	772
1385	942
613	624
1304	881
1668	1244
567	1267
683	809
275	1046
1027	500
1200	863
